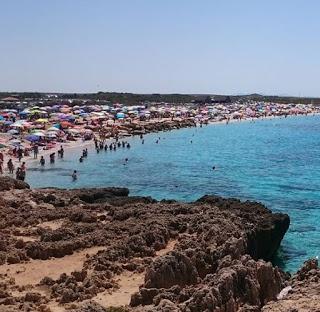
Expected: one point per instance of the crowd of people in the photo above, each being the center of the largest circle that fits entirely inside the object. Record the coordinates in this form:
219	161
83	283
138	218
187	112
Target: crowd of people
20	173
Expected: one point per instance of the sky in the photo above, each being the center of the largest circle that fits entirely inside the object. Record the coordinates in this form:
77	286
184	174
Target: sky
161	46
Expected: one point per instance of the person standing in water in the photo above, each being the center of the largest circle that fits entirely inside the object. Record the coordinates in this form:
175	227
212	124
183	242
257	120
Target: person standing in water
52	158
74	175
42	161
61	152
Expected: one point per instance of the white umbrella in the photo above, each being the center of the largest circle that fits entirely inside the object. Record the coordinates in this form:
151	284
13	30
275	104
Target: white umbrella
39	134
53	129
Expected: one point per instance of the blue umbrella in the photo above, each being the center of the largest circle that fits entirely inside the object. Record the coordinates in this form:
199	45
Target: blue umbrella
32	138
120	115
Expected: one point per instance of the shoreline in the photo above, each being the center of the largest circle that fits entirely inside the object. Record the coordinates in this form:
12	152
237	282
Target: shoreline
79	144
31	162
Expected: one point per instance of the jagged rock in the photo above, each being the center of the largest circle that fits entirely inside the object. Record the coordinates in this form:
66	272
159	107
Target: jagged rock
201	256
172	269
7	183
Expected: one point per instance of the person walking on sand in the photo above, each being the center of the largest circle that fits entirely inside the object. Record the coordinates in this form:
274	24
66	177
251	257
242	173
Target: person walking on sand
35	151
20	154
1	167
10	166
1	156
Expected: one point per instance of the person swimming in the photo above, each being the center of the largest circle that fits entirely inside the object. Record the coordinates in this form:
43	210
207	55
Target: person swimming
214	167
81	159
74	175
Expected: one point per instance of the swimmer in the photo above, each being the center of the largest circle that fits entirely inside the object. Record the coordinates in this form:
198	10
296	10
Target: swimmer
74	175
214	167
81	159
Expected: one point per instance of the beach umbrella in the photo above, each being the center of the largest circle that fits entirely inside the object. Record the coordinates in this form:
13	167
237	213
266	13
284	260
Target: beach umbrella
66	124
53	129
120	115
51	135
32	138
42	120
13	131
38	133
15	142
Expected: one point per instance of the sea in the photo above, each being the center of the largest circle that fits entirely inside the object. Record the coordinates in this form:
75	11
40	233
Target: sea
273	161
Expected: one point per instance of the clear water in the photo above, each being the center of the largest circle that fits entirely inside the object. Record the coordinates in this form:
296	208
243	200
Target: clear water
276	162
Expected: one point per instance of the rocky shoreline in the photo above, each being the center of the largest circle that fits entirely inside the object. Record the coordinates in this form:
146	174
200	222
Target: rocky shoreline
103	250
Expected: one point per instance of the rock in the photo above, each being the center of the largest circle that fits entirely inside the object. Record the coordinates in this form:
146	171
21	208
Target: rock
172	269
195	257
68	295
32	297
7	183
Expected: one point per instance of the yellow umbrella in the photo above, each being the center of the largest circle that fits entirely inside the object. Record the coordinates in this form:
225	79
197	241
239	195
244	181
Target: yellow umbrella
42	120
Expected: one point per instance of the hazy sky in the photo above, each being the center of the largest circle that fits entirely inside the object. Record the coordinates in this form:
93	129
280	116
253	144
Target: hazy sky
161	46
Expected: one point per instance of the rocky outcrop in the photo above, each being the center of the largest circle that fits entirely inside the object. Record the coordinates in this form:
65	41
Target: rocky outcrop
302	293
7	183
217	262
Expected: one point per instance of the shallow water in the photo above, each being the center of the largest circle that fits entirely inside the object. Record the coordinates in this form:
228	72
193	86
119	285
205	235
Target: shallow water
276	162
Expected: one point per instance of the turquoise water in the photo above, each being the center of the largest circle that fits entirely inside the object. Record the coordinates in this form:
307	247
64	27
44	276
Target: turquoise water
276	162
